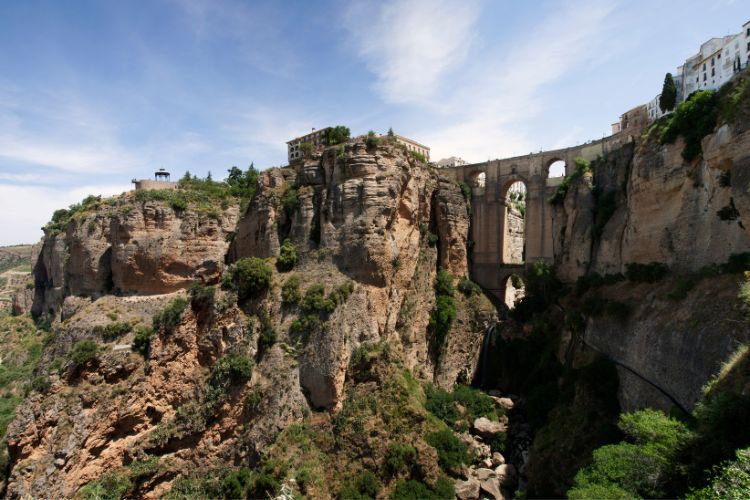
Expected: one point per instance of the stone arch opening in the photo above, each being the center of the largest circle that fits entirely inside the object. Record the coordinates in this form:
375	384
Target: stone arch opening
515	290
556	168
478	179
514	237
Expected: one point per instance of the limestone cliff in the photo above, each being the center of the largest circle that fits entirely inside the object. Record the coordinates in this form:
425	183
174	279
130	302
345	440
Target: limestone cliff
128	246
644	203
215	384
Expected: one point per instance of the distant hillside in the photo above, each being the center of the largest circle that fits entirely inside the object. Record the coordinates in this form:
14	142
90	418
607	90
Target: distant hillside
16	258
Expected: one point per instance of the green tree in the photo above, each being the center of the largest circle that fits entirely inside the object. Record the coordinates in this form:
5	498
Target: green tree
668	97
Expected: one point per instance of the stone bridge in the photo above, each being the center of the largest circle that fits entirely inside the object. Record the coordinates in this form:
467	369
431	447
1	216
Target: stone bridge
492	262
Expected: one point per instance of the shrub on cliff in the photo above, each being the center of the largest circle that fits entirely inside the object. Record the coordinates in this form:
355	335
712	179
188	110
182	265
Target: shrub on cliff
287	258
399	458
452	452
170	316
444	313
249	277
290	293
112	331
336	135
142	340
202	297
730	480
693	119
468	287
83	351
645	465
316	301
366	485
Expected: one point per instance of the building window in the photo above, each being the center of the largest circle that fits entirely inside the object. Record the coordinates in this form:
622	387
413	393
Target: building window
704	77
712	62
704	66
713	71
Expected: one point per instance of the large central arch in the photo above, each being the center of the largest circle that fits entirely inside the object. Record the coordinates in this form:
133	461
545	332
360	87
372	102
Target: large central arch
540	172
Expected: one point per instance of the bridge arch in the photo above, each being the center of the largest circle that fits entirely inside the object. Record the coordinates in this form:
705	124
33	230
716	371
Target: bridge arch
477	178
514	289
513	238
556	167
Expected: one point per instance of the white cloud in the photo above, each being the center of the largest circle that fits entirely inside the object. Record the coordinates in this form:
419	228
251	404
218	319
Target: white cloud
411	46
26	209
59	130
504	90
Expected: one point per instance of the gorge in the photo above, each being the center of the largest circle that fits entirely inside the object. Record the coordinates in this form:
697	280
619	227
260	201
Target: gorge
315	330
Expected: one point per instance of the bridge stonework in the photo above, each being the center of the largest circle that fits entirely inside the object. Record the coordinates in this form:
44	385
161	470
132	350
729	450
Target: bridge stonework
491	265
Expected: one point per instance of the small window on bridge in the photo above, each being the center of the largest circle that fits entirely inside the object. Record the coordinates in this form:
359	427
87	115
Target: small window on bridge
556	169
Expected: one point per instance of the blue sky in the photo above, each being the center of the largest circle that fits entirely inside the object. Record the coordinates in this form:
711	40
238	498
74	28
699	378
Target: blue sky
94	93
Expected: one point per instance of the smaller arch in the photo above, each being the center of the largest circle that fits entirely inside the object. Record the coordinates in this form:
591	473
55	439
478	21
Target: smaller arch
478	179
556	167
515	290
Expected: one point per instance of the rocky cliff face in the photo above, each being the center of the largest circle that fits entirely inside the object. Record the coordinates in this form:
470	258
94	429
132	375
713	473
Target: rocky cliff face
365	214
131	247
360	219
645	204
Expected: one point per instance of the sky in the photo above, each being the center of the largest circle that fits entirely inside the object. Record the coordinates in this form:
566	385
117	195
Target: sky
96	93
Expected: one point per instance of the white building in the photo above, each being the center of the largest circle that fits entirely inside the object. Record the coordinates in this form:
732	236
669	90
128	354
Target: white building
718	60
414	146
453	161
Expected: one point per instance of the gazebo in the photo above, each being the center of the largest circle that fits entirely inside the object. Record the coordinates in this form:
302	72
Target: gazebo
161	175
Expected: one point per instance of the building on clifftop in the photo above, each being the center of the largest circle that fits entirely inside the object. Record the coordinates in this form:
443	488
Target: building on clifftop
161	181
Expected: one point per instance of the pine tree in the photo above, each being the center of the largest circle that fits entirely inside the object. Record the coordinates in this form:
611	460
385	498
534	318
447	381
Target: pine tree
668	97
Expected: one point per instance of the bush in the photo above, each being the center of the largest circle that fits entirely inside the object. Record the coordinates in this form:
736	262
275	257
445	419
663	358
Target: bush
452	452
142	340
202	297
365	486
84	351
289	200
731	479
170	317
444	283
112	331
110	486
693	119
336	135
287	256
444	405
468	287
290	293
253	400
646	273
230	370
302	328
418	156
643	467
371	141
399	458
266	339
432	239
315	301
250	277
40	384
412	489
441	320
